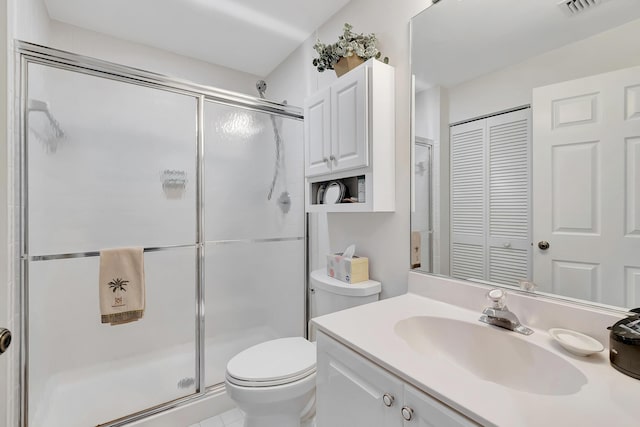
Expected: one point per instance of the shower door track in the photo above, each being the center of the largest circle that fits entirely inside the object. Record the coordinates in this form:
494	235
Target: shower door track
26	53
92	66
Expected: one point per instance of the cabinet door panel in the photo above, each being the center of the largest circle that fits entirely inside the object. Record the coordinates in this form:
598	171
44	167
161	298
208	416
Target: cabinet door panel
428	412
349	142
317	128
350	390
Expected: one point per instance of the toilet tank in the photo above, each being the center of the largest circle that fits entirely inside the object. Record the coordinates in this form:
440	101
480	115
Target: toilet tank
329	295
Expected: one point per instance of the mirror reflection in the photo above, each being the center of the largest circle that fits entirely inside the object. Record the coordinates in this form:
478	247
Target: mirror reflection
526	155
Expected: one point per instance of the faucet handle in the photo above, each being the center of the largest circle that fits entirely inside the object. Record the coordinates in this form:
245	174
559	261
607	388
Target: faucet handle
497	298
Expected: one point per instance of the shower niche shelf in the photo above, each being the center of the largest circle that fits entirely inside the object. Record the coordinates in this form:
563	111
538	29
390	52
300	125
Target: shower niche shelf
350	136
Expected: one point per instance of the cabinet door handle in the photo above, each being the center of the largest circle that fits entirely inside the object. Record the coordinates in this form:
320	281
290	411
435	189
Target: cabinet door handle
407	413
333	158
388	399
324	159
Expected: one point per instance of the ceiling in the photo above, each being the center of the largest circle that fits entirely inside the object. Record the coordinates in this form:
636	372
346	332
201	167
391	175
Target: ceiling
253	36
455	41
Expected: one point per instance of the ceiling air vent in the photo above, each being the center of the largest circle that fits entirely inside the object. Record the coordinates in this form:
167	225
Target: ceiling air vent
575	7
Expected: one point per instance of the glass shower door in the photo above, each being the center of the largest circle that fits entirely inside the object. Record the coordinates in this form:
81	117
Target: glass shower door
109	164
254	247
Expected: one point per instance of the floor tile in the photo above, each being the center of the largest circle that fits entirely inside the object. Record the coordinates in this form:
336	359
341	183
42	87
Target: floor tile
212	422
231	416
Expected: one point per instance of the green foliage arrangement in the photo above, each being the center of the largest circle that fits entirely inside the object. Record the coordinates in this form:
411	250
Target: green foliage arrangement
348	44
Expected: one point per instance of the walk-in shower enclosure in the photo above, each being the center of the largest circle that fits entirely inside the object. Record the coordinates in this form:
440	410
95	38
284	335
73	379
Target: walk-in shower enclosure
110	156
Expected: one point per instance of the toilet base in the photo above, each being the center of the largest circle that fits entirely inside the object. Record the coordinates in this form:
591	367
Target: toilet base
286	405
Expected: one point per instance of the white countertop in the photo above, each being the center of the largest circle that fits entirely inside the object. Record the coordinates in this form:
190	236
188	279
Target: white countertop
608	397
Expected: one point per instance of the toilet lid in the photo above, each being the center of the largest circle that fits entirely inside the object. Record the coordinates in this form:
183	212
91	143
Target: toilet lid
273	362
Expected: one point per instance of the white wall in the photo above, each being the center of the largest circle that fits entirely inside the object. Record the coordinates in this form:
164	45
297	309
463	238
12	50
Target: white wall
512	86
383	237
97	45
32	21
34	25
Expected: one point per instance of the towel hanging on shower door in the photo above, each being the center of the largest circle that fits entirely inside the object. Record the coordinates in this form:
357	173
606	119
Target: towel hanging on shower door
122	287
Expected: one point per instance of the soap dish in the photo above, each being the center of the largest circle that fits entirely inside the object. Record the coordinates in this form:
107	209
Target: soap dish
575	342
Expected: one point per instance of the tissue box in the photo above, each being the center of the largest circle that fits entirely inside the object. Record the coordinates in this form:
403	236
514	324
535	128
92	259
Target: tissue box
349	270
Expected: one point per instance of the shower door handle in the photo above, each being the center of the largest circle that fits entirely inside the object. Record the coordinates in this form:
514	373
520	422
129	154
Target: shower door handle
5	339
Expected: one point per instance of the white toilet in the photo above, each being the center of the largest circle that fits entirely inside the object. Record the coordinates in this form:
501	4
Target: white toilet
274	382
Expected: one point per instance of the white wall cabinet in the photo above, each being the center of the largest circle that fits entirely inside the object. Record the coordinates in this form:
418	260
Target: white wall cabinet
354	392
350	133
349	148
317	130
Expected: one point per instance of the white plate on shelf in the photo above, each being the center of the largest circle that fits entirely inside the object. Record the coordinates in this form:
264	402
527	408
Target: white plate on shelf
334	193
575	342
320	195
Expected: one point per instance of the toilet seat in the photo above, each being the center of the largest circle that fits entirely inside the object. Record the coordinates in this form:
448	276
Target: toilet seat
273	363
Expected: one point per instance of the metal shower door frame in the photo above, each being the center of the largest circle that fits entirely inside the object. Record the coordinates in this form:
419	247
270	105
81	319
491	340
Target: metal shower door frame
428	145
29	53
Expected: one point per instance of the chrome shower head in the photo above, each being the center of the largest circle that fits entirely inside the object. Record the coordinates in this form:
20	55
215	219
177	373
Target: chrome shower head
261	85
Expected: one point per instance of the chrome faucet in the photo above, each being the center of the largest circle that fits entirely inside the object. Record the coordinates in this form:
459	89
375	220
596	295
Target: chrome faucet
500	315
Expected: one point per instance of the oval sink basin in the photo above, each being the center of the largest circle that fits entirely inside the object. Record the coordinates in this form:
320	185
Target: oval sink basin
492	354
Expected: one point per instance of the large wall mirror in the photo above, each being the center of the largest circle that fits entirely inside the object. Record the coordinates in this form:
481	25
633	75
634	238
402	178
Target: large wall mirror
526	155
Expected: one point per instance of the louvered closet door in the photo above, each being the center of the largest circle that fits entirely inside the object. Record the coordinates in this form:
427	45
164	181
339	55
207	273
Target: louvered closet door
509	193
467	200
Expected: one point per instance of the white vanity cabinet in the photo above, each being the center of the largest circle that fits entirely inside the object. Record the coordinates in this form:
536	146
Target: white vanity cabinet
428	412
354	392
350	135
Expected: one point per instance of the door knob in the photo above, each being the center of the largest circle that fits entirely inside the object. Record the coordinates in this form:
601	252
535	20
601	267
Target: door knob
5	339
407	413
544	245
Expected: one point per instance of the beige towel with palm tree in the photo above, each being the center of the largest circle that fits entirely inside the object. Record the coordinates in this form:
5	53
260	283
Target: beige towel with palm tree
122	295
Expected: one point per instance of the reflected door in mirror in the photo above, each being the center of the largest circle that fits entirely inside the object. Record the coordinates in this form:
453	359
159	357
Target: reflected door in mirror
490	200
587	187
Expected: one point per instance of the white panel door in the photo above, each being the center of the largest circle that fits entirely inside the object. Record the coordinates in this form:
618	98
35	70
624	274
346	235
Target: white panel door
6	297
349	140
586	187
508	198
350	389
468	200
317	129
6	358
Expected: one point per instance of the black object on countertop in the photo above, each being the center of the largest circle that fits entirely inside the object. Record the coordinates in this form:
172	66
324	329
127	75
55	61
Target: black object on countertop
624	344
